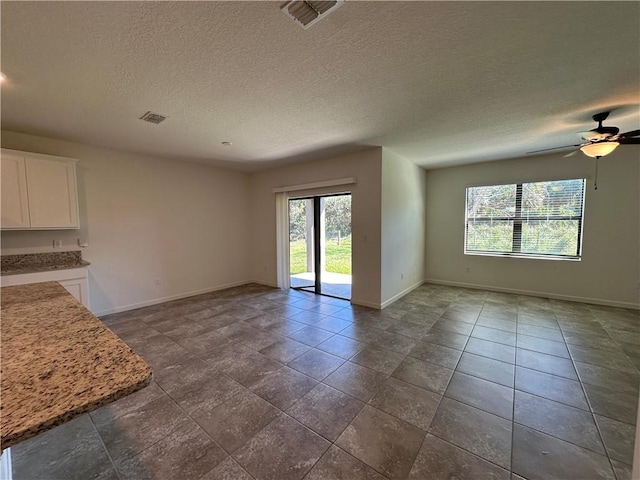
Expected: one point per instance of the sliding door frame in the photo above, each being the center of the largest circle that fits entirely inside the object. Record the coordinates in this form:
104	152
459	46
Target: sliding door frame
317	250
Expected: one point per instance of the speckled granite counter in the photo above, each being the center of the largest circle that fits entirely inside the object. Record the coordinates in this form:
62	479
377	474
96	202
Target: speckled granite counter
49	268
40	262
58	361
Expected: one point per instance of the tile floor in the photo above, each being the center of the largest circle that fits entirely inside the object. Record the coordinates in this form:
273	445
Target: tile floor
253	382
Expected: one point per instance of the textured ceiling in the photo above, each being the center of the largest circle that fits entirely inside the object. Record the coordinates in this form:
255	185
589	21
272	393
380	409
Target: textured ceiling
439	83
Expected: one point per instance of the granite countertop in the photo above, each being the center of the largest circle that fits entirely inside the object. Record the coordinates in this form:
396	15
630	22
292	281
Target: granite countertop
47	268
41	262
58	361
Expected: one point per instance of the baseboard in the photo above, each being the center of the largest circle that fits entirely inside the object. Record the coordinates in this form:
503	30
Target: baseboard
398	296
378	306
364	303
533	293
262	282
170	298
386	303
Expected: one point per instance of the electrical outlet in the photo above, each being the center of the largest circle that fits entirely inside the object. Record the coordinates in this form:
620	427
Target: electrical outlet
402	276
468	269
57	244
158	282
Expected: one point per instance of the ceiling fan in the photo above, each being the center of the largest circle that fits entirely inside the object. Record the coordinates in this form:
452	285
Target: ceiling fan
601	141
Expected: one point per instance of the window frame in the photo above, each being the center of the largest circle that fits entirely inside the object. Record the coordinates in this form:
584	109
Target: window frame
518	221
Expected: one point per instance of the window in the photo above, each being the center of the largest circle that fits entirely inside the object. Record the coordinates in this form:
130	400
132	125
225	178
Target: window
542	219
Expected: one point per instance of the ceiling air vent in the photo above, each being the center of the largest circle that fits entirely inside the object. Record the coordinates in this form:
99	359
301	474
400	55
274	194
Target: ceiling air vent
152	117
308	12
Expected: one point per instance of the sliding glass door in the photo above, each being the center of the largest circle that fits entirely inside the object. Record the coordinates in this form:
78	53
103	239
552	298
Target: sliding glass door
320	244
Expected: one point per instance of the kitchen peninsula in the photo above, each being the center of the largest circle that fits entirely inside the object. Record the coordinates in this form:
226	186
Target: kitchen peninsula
58	361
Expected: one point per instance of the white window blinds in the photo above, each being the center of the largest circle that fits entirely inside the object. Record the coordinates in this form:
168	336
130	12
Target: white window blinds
541	219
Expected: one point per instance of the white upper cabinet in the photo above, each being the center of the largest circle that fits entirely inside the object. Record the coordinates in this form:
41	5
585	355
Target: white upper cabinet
39	192
15	204
53	200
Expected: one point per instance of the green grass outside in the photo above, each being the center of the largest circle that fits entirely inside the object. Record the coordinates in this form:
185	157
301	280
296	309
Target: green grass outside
338	257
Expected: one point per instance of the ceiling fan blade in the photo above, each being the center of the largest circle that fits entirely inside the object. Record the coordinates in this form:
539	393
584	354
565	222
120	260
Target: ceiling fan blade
571	154
554	148
629	141
632	133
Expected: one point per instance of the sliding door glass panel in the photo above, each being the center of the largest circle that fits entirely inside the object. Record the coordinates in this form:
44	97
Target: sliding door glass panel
335	238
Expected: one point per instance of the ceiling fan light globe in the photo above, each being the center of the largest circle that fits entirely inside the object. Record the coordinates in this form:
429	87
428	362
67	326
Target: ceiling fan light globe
599	149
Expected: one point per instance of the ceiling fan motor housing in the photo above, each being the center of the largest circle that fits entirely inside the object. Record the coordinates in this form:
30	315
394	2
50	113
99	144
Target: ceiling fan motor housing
600	133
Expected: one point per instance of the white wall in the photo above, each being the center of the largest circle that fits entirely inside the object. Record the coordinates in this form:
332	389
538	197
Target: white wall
403	226
145	219
365	166
610	268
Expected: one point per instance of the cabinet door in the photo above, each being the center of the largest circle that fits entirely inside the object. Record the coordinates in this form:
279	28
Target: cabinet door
52	193
73	287
15	204
79	288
